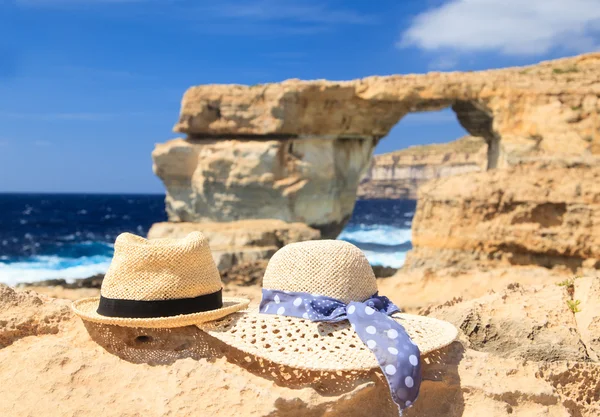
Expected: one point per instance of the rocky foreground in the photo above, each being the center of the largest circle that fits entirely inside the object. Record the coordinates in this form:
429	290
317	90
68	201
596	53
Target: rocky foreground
522	352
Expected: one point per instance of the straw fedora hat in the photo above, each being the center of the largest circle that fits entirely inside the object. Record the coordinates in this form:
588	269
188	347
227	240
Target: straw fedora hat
330	268
159	283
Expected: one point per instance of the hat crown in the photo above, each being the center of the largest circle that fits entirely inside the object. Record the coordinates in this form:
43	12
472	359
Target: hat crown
161	269
332	268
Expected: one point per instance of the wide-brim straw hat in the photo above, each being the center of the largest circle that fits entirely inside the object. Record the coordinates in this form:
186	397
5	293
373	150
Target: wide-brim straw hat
330	268
159	283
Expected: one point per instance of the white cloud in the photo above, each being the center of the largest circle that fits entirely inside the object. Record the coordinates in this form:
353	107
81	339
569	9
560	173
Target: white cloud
511	27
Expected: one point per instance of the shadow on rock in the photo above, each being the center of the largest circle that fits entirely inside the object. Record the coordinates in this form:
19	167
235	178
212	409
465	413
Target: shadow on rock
440	392
152	346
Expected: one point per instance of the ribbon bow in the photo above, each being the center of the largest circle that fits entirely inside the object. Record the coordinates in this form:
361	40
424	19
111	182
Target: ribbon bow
398	356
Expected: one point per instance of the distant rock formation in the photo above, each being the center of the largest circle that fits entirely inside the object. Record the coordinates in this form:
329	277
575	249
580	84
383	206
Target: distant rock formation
296	150
399	174
311	181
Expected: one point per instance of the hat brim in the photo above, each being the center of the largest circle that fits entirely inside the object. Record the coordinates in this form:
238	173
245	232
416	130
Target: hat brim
319	346
86	309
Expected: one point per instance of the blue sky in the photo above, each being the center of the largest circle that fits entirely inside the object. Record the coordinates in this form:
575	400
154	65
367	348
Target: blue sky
87	87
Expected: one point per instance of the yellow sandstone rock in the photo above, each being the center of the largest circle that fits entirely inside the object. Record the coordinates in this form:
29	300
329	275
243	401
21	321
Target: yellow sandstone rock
519	353
297	150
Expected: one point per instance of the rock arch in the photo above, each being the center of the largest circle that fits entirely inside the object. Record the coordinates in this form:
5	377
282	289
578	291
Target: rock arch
296	150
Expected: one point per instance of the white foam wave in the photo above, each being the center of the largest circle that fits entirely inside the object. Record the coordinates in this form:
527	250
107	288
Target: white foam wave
370	237
380	234
40	268
393	260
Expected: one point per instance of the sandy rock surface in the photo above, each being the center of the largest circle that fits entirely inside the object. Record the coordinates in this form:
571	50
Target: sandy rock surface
417	288
542	329
587	291
521	352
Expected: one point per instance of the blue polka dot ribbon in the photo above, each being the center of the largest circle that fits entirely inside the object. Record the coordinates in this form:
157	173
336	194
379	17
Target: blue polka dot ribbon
397	355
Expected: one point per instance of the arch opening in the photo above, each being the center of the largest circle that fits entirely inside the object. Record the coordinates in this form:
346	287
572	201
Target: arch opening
432	145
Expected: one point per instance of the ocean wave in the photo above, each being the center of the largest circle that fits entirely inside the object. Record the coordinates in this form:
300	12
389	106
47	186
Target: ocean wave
376	233
38	268
392	260
68	261
383	245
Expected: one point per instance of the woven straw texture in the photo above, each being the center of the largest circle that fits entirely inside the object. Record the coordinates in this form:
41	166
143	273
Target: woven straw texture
335	269
160	269
310	345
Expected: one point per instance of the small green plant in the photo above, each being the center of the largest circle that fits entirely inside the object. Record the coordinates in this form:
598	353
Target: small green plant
525	71
575	108
569	282
574	305
565	70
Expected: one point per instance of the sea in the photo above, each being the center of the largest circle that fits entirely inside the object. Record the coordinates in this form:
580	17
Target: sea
70	236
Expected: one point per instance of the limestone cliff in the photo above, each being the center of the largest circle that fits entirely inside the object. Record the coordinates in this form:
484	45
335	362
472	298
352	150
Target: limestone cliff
399	174
544	213
296	150
311	180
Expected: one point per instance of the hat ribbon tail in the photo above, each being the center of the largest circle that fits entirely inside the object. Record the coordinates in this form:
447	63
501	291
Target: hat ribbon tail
398	356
